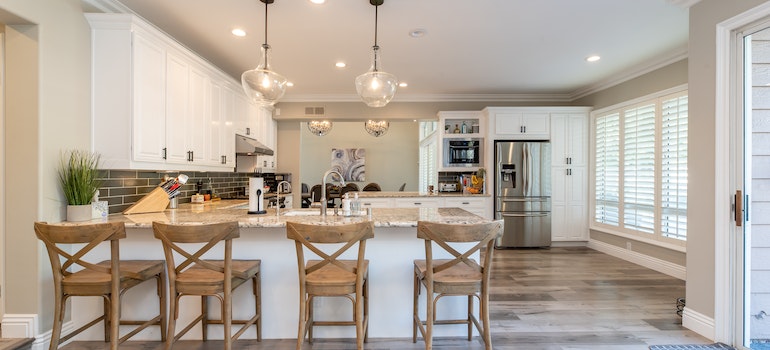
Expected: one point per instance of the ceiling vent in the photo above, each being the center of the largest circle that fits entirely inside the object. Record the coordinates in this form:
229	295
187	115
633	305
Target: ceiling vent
314	111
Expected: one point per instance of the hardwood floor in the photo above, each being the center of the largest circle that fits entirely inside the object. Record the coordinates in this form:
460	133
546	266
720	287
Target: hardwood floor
541	299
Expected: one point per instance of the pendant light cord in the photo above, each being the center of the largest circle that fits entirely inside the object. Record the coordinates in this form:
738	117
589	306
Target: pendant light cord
376	47
265	46
265	23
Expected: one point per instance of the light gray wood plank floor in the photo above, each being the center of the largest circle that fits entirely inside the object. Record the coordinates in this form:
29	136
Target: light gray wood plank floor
541	299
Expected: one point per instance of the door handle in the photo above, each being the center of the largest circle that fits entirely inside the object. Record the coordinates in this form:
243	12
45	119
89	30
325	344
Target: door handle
524	215
739	208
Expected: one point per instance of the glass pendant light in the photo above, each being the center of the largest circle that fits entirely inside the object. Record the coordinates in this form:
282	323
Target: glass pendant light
262	85
376	87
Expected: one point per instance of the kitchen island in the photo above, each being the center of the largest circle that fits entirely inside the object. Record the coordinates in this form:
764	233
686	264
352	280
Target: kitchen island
390	253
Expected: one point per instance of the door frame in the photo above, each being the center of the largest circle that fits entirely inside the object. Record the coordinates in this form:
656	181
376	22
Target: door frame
728	258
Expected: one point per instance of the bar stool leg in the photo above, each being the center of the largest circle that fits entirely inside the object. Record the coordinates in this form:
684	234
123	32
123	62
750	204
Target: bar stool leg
257	285
58	318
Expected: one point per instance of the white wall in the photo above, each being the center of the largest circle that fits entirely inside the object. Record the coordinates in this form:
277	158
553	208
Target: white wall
50	41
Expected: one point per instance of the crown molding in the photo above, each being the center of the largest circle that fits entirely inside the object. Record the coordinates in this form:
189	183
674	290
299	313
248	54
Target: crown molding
433	98
683	3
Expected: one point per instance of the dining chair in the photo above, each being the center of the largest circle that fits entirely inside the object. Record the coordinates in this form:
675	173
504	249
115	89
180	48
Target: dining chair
458	276
195	276
372	186
328	276
349	187
315	196
403	186
74	274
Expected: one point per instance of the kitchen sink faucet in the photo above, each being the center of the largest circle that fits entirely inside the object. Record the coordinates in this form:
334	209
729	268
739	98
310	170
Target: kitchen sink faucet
323	188
278	196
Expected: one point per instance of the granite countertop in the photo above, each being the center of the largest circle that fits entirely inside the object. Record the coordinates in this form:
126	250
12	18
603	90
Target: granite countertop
236	210
398	194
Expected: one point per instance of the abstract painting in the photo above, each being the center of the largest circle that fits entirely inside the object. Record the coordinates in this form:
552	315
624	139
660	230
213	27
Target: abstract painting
349	162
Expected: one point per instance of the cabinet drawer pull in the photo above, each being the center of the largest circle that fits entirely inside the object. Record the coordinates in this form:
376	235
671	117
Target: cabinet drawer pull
164	152
248	131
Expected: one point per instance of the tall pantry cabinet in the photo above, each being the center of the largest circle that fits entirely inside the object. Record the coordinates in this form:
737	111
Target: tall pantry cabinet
569	173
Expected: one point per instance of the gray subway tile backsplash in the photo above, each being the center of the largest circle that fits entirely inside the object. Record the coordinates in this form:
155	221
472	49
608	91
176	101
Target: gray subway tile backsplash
122	188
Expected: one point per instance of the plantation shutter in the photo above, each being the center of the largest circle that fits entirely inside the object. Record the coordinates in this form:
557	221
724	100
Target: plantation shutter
639	168
607	180
673	221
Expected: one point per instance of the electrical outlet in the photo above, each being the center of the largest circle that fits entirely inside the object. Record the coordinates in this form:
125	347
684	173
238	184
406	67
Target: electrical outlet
628	245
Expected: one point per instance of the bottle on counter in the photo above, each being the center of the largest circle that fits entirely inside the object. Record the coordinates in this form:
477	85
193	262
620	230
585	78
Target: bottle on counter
355	204
464	129
457	129
346	205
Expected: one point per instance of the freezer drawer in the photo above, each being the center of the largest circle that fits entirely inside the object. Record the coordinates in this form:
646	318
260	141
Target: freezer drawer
527	229
519	204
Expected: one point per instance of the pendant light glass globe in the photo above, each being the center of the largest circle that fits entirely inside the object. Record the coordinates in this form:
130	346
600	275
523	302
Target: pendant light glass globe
376	87
262	85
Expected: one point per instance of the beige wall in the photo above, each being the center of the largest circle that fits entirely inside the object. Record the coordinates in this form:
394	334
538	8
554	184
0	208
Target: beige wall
391	159
704	17
48	42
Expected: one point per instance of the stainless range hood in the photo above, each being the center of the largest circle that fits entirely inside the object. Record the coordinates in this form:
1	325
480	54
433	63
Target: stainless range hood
247	146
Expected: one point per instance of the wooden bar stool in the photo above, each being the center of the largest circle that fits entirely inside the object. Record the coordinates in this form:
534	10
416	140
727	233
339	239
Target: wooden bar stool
332	276
460	276
200	277
108	279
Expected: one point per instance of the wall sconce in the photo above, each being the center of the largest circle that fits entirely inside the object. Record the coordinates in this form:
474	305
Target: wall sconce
376	128
319	127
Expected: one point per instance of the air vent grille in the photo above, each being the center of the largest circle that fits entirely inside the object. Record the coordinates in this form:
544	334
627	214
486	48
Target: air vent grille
314	111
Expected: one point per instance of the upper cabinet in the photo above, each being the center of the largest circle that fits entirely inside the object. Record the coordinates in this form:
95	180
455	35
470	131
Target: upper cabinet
461	140
156	104
518	123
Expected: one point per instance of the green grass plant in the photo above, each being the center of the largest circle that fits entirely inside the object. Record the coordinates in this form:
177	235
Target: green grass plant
79	176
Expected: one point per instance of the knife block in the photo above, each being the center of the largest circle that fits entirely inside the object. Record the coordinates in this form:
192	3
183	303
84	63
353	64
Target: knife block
155	201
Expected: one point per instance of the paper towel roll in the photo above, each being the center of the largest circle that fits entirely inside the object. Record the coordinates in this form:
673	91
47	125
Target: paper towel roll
256	195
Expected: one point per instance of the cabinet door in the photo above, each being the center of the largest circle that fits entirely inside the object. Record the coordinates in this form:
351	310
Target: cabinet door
149	104
559	140
509	123
578	139
177	98
199	117
215	125
376	203
417	202
536	124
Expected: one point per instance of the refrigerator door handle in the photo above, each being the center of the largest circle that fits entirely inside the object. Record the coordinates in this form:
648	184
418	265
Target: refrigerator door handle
524	215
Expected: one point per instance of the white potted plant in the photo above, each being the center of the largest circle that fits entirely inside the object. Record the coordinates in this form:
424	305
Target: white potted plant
79	179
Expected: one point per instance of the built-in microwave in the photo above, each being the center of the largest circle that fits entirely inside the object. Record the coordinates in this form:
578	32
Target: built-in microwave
463	152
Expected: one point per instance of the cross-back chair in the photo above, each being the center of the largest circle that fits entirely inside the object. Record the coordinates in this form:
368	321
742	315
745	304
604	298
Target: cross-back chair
75	274
195	276
457	276
332	276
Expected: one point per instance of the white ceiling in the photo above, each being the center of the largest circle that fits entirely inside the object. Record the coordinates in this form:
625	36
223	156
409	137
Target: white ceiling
473	50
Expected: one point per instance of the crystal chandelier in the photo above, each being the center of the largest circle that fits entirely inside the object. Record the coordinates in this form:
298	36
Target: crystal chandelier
319	127
376	87
376	128
262	85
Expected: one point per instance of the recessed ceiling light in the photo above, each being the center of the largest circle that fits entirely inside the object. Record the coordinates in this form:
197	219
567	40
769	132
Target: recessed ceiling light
418	32
289	84
403	84
593	58
340	64
239	32
318	1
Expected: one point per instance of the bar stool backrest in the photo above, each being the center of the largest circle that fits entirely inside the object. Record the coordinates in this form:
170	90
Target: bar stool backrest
443	234
62	261
310	235
211	234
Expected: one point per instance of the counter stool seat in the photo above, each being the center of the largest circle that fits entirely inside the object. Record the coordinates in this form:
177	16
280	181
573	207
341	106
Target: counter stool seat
74	275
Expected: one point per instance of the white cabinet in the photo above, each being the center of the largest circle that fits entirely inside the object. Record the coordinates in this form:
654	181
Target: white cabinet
451	127
519	123
475	205
165	99
376	202
569	173
418	202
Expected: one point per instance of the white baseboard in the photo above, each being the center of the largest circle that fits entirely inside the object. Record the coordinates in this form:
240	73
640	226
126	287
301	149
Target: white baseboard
698	323
25	326
649	262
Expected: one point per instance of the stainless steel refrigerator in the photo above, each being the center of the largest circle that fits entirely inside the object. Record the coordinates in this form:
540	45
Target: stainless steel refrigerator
523	193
